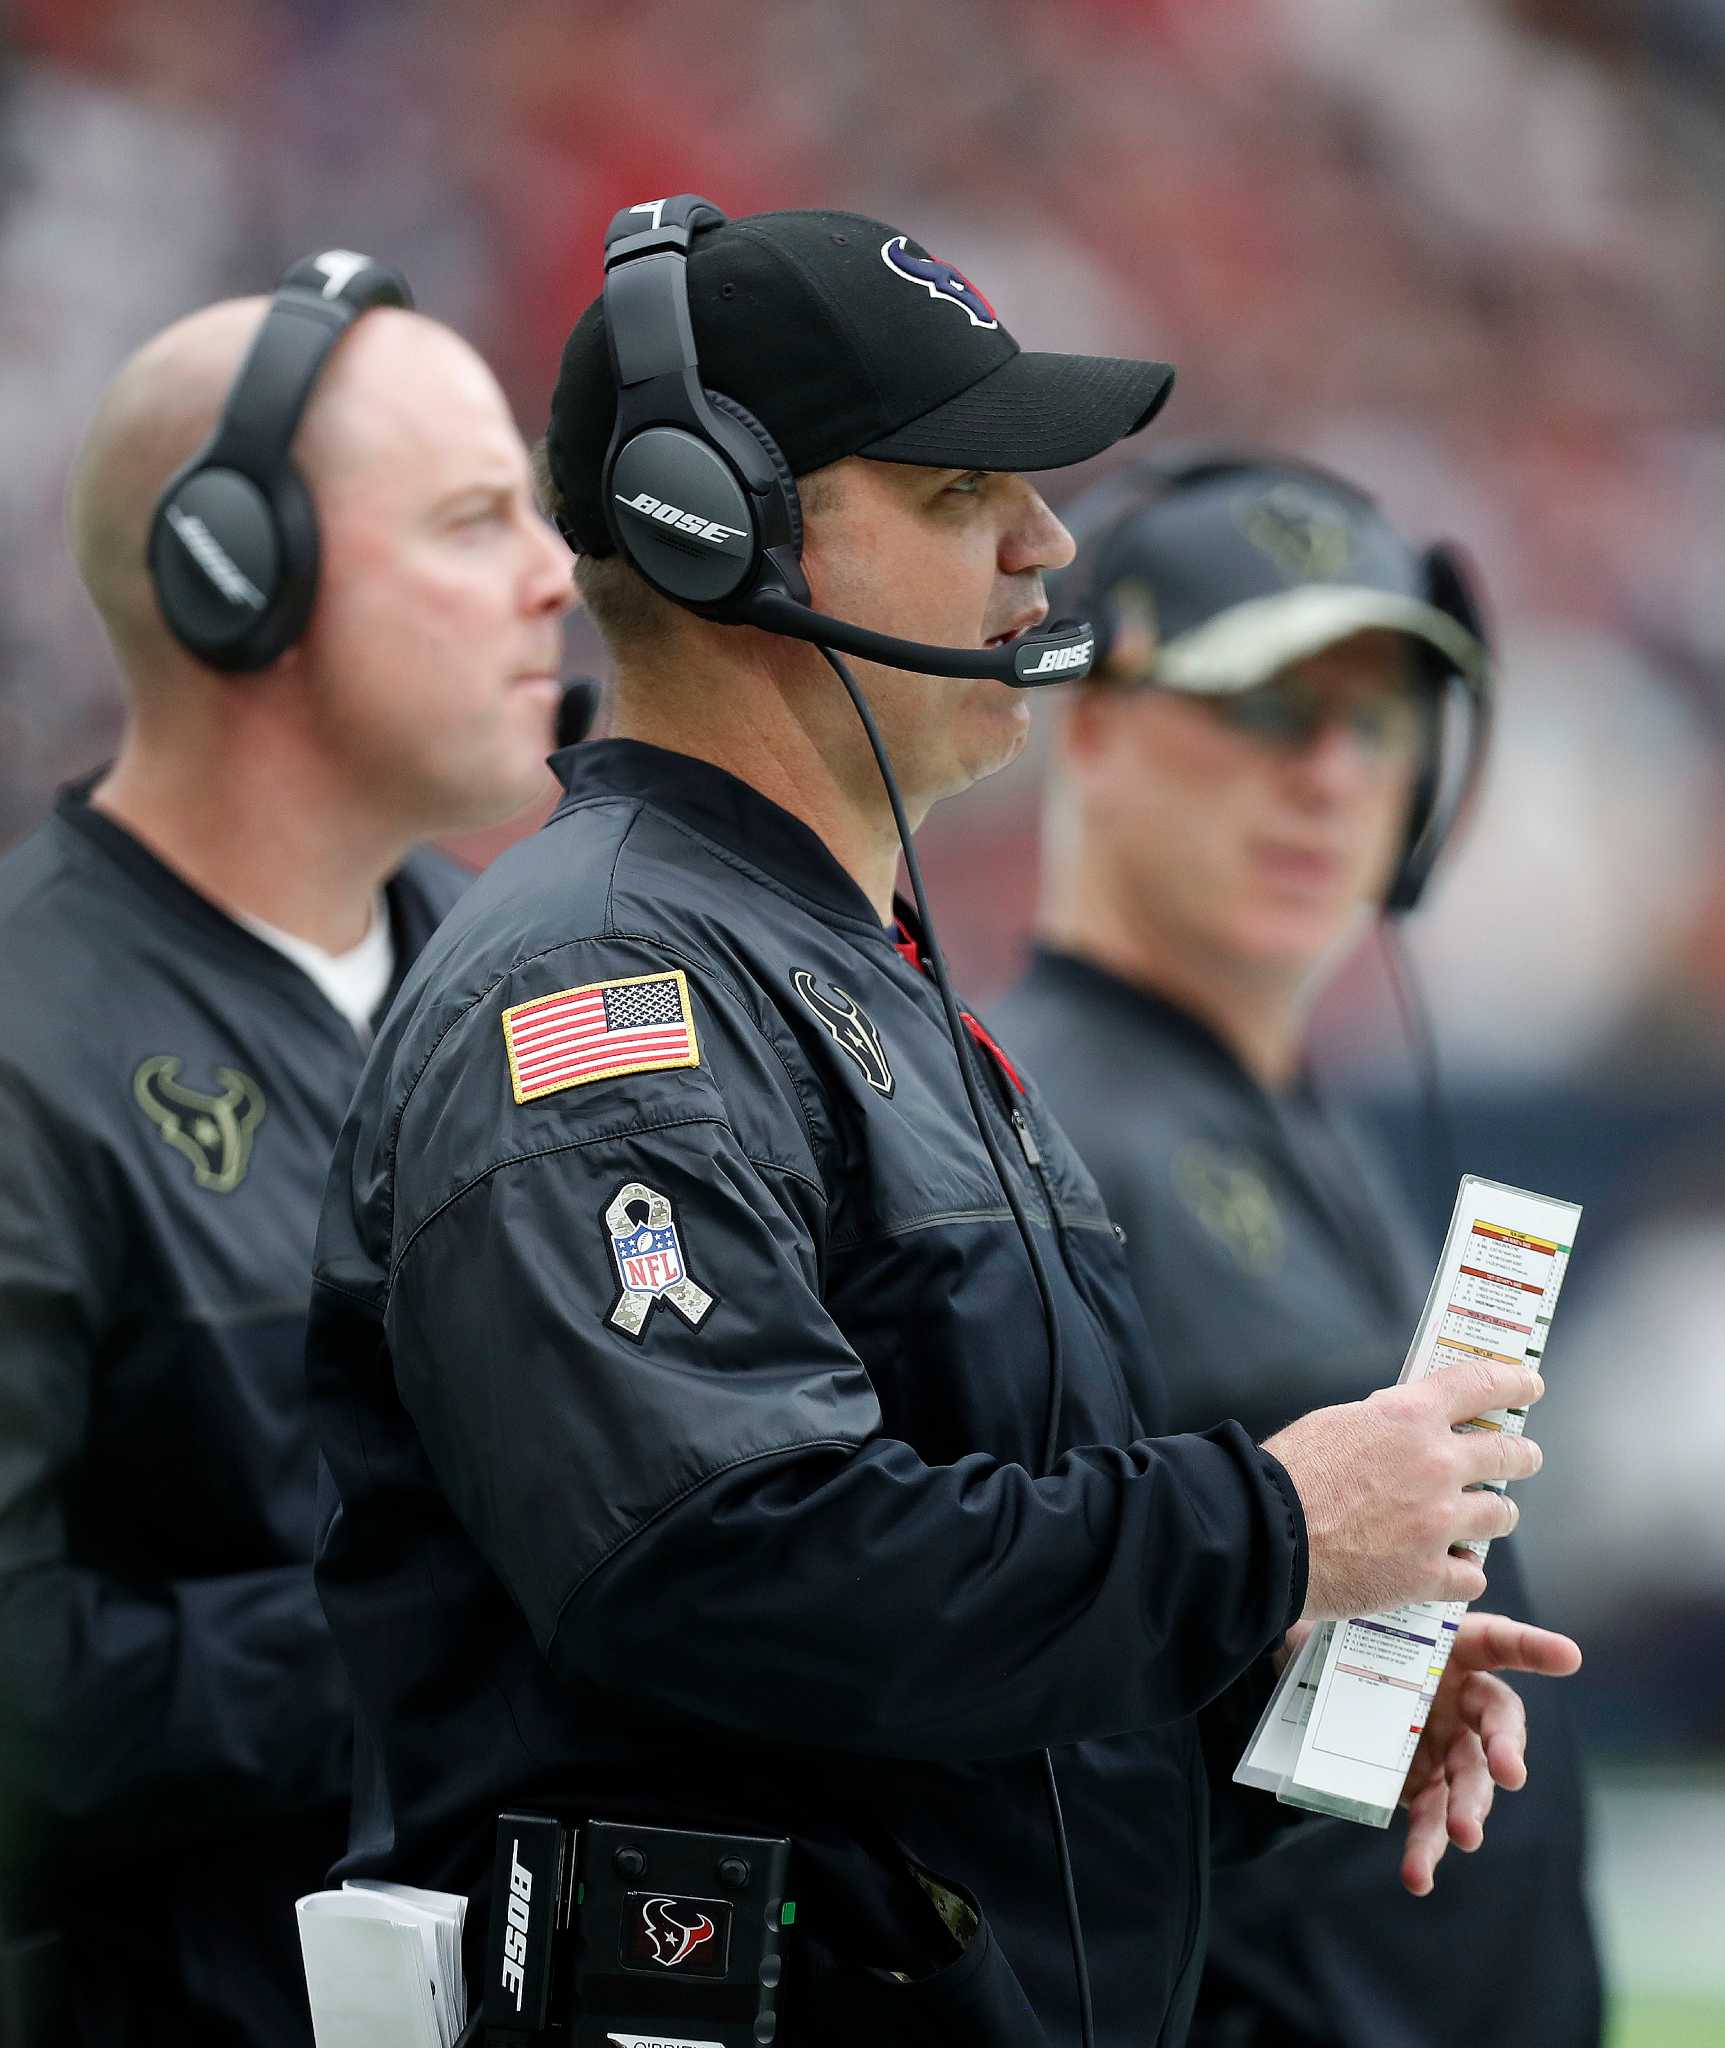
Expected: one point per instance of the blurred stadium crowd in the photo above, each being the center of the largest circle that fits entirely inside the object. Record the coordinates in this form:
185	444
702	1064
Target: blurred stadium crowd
1473	254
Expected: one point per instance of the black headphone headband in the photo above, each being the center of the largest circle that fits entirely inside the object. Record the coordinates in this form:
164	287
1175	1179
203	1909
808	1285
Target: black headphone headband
698	495
233	549
1103	519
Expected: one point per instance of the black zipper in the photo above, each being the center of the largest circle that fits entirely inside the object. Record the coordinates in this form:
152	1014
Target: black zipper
1032	1154
1026	1136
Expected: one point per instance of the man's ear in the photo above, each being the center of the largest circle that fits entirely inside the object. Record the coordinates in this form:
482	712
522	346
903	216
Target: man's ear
819	495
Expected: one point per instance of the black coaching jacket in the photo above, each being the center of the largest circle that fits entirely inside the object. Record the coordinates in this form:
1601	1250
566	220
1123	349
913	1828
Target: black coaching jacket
1274	1259
175	1732
683	1383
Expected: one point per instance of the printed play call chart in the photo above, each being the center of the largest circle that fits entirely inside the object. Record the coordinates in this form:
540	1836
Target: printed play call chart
1342	1727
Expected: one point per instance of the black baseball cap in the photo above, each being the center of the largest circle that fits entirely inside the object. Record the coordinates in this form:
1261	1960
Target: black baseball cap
844	336
1240	565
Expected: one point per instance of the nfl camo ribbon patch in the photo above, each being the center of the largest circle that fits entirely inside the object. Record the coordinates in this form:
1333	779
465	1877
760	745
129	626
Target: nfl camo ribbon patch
649	1260
637	1025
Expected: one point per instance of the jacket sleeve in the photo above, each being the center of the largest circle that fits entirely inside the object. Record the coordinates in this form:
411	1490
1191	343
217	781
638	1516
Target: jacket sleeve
708	1515
139	1708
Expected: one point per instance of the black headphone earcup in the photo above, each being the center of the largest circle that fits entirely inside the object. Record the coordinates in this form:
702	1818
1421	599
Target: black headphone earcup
296	524
233	544
215	559
235	567
793	504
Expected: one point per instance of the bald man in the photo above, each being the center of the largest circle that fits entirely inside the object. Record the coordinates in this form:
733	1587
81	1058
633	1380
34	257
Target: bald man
192	954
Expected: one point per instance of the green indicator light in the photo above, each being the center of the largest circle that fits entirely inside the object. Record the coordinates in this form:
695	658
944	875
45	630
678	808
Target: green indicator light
788	1913
580	1895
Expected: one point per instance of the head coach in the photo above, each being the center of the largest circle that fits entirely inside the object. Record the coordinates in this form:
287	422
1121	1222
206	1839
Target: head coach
307	525
1274	748
710	1445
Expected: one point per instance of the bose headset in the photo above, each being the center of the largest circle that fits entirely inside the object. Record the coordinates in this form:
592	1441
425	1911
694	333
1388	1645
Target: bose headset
698	496
233	549
1101	520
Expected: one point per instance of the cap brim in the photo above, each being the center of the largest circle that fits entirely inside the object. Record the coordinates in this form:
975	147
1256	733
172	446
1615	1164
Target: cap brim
1244	646
1033	412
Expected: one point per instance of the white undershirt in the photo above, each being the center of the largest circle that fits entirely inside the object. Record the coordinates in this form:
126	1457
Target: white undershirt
356	981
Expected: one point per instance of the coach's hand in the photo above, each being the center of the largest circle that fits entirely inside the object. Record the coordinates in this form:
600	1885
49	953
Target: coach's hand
1383	1481
1475	1738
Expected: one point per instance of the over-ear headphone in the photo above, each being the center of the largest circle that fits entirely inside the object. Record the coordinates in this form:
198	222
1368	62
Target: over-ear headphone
697	494
233	549
1103	521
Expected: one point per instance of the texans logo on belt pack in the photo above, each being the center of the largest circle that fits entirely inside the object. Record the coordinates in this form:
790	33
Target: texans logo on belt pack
667	1932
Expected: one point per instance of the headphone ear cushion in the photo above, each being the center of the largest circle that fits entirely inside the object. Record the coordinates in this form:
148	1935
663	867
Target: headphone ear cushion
296	524
218	537
770	449
294	519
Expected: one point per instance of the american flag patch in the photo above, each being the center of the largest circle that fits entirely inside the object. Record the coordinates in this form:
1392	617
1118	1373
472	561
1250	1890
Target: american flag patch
635	1026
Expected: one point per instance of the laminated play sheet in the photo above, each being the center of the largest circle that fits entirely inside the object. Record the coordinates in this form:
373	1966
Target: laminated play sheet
1345	1719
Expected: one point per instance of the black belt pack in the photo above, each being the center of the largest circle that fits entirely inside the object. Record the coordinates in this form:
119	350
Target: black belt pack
611	1936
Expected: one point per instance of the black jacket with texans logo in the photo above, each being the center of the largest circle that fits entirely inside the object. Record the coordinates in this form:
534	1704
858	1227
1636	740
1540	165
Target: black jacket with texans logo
686	1432
175	1730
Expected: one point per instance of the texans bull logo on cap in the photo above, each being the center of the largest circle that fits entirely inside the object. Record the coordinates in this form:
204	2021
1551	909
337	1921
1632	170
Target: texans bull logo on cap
1306	538
939	279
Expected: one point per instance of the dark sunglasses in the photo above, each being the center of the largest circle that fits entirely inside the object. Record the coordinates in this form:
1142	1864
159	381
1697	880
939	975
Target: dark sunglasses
1288	712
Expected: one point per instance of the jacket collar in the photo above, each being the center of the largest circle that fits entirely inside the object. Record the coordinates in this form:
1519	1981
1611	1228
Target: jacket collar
722	808
1082	980
411	920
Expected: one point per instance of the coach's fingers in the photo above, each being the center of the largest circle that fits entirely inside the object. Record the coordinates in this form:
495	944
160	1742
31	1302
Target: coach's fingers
1483	1514
1471	1790
1463	1577
1495	1456
1495	1714
1494	1642
1427	1837
1465	1391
